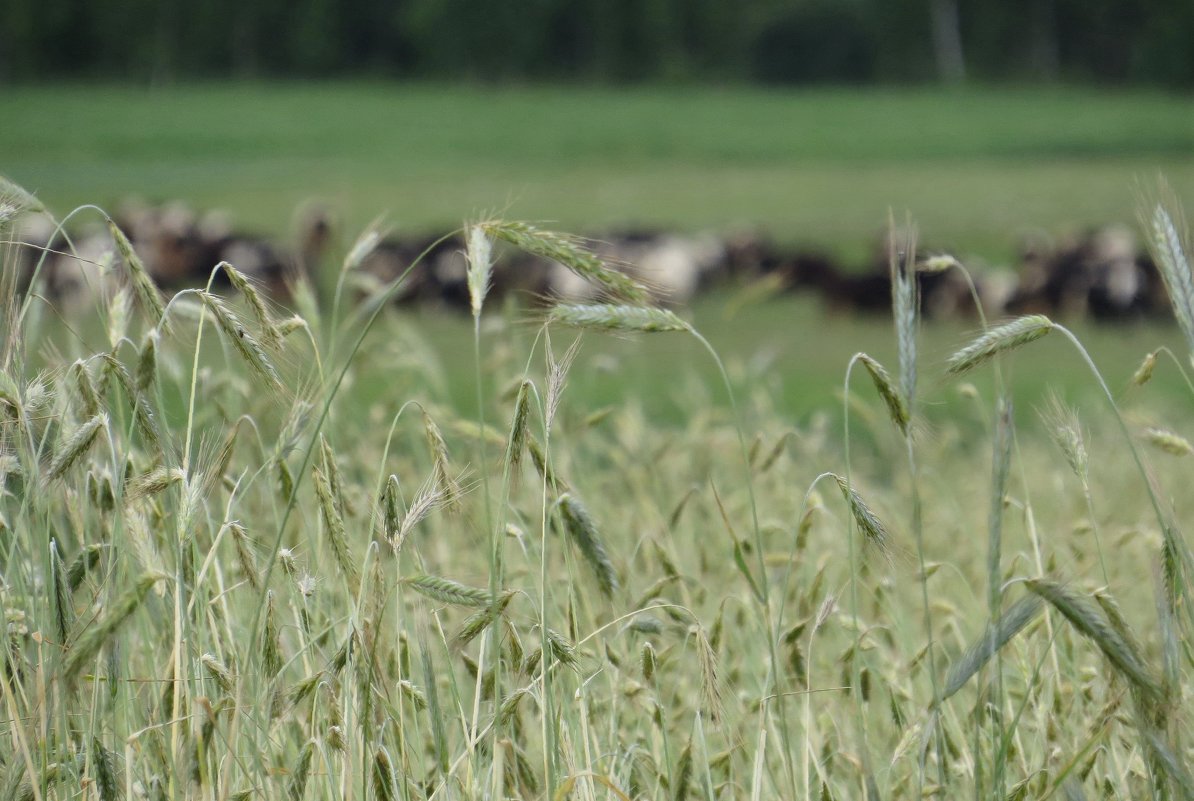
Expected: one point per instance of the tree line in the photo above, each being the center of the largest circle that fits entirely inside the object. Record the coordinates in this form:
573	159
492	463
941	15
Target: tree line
604	41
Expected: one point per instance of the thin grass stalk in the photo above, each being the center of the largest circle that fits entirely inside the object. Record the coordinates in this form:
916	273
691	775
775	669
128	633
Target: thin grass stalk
563	654
94	637
181	620
251	654
325	410
1066	431
768	623
1088	619
1001	457
59	230
990	642
515	446
855	566
906	313
1171	536
548	715
480	266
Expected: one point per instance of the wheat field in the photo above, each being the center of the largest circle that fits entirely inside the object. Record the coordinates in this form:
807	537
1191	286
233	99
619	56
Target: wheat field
224	576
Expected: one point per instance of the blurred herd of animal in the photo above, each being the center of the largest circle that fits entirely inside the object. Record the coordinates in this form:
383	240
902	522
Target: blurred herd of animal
1104	273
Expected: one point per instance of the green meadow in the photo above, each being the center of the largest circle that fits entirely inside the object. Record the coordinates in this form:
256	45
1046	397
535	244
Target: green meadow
978	168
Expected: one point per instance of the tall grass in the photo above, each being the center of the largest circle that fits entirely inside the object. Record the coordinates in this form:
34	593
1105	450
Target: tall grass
226	574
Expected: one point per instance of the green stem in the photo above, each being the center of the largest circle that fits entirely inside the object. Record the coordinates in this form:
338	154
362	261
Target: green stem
855	669
252	652
1180	550
772	683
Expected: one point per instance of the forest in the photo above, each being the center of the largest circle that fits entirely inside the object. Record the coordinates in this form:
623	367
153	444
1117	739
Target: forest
786	42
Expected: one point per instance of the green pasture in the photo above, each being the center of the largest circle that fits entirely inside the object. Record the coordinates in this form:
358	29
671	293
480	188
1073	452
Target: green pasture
786	352
977	168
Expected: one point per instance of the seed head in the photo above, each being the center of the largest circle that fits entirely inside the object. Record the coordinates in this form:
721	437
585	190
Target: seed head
1005	337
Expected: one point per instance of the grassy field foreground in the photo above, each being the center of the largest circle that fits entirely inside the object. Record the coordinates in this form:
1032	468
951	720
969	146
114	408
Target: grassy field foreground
233	568
979	167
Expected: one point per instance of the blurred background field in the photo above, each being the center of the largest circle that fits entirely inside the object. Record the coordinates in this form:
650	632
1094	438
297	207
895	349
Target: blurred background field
977	167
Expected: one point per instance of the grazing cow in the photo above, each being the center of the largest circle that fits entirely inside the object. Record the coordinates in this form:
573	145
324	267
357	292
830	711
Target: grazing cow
85	274
181	249
1126	283
167	240
74	271
256	257
841	290
749	254
314	233
673	268
34	235
1100	273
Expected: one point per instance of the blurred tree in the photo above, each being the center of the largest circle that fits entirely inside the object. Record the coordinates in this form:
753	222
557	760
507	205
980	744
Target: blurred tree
947	40
816	42
785	41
